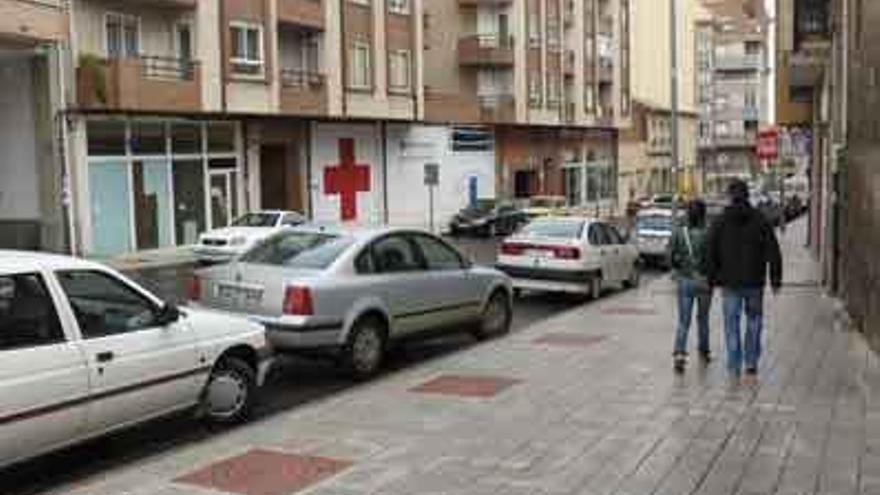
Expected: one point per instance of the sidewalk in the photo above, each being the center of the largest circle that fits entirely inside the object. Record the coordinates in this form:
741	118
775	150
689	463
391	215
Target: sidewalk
583	404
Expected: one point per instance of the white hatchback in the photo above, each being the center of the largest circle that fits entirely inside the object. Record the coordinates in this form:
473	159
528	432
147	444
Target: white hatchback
224	244
569	254
85	351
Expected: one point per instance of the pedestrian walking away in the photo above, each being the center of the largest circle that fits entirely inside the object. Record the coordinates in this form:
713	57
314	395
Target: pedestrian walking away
688	254
742	249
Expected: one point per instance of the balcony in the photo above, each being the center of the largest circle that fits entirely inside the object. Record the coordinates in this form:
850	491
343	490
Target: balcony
747	140
30	21
486	50
304	13
174	4
477	3
303	92
500	108
739	62
143	83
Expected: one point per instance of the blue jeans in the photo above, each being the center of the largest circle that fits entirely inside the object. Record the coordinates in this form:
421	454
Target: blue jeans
735	300
690	291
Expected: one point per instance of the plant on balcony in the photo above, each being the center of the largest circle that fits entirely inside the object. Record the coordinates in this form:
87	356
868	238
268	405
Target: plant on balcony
93	76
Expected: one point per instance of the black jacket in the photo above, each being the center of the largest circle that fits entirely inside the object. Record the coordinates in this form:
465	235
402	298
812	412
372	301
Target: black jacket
741	246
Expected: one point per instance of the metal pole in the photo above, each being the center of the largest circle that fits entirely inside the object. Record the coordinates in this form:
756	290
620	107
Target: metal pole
431	207
673	57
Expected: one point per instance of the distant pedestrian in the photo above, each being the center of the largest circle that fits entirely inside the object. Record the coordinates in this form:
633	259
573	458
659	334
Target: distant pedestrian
742	245
688	257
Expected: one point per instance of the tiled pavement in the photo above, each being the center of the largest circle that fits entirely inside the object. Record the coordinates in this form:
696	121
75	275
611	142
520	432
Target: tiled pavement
585	403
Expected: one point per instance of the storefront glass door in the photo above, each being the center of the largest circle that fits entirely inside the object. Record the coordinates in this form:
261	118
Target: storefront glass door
222	189
189	201
152	202
109	191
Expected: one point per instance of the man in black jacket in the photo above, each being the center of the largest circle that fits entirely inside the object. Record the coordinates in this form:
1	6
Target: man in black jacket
741	247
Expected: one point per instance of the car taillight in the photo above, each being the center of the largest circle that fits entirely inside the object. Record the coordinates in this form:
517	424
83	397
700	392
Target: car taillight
511	249
298	301
194	288
566	252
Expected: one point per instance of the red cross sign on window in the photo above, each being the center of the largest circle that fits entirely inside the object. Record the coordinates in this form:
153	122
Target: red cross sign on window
346	179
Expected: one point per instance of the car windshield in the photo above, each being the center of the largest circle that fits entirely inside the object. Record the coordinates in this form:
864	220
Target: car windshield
256	220
557	229
654	222
299	250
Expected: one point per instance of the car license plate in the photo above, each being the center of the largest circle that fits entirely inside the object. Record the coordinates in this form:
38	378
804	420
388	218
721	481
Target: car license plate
239	296
538	253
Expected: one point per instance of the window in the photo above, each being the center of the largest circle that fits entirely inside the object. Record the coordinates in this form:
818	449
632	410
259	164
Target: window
598	236
247	48
438	255
394	254
105	306
183	40
399	70
535	89
612	234
121	35
298	250
292	220
27	313
360	66
256	220
556	228
398	6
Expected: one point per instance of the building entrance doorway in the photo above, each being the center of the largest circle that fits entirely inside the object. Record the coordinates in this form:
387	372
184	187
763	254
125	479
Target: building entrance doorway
280	183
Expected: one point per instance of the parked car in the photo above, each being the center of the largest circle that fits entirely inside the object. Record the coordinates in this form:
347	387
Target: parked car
542	206
569	254
353	292
653	233
489	219
85	351
221	245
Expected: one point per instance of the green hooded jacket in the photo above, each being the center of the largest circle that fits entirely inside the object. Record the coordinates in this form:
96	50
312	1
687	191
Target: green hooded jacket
684	265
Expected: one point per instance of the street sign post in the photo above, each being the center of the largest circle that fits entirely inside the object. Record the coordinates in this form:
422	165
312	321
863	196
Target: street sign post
432	179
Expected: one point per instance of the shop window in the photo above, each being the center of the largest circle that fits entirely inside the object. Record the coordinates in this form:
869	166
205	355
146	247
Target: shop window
106	137
221	137
186	138
221	163
148	138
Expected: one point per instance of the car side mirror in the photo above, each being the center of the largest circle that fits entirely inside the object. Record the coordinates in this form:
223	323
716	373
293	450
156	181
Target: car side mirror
168	315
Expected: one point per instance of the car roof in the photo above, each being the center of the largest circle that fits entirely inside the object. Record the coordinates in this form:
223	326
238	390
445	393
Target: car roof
359	232
568	218
31	261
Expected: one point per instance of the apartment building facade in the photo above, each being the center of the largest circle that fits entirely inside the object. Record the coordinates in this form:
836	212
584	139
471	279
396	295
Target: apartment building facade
551	79
733	78
33	40
646	148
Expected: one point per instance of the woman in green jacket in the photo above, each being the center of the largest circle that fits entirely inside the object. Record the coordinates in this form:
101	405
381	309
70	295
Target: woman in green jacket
688	256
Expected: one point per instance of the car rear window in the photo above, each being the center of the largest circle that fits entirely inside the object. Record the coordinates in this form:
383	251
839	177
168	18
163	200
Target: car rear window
557	229
257	220
299	250
654	222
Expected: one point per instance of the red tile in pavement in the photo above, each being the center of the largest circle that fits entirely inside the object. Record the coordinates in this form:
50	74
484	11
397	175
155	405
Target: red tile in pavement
264	472
569	340
630	311
466	386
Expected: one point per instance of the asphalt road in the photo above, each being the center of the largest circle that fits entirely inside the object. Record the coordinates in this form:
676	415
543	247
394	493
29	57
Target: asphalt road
293	383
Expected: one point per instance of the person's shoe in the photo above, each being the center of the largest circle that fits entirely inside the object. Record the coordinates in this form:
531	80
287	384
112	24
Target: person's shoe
705	357
752	371
678	364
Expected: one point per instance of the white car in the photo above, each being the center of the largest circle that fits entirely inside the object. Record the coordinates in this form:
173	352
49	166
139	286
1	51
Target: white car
84	351
221	245
569	254
653	233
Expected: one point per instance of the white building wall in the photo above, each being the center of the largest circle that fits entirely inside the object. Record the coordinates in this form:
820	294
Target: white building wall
19	196
410	148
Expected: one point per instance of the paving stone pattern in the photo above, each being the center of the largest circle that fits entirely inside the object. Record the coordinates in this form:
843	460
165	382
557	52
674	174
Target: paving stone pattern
607	418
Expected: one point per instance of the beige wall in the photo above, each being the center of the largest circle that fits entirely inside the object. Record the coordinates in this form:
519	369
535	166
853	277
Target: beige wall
28	21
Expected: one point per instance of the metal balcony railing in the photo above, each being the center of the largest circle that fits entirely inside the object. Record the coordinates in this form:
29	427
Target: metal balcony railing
170	68
299	78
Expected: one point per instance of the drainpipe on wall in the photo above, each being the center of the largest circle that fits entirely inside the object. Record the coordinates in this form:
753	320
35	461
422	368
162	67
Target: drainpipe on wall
310	212
221	14
66	175
342	59
384	133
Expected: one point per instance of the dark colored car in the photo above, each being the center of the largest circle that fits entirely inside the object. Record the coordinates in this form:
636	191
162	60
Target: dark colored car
488	218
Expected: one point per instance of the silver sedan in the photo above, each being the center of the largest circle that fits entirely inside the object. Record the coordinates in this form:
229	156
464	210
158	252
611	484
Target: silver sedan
355	291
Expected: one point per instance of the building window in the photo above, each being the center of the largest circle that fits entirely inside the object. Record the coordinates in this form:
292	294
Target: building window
399	71
360	66
247	48
183	41
121	35
398	6
535	89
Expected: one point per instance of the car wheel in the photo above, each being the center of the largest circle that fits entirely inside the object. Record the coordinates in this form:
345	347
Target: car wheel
496	318
634	277
364	353
595	286
230	394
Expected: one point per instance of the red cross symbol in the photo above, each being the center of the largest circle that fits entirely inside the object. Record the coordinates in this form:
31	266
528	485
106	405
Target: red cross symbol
346	179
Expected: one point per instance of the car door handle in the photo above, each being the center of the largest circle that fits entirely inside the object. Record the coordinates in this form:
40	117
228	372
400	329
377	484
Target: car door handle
104	357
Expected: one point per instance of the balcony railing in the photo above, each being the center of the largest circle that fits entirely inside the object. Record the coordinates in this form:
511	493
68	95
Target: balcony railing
307	13
745	140
139	83
476	3
499	108
739	62
486	49
303	92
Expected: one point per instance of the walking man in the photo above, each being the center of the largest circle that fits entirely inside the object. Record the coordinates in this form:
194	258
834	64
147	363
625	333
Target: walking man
742	245
688	257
